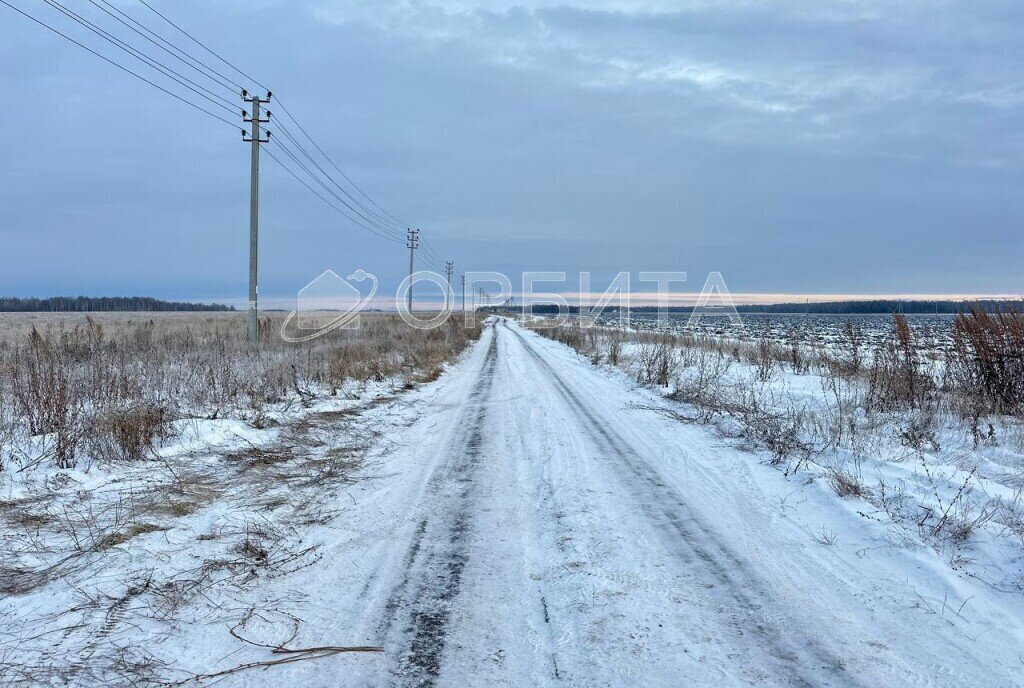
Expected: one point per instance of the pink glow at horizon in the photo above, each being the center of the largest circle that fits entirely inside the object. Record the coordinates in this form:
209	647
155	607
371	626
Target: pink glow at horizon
673	299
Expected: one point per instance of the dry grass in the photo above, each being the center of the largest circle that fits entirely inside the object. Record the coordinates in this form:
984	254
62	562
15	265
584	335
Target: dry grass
845	482
986	363
104	386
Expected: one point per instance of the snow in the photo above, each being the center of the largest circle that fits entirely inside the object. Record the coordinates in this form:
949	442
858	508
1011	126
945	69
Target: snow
529	519
910	487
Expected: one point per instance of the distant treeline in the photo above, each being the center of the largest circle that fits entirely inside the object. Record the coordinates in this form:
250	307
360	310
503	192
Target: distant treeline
839	307
85	304
887	306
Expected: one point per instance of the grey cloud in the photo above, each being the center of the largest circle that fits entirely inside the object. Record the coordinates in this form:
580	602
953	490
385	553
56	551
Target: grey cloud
839	146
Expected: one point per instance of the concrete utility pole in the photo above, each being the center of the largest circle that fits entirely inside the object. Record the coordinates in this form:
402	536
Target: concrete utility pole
449	267
412	240
254	205
462	279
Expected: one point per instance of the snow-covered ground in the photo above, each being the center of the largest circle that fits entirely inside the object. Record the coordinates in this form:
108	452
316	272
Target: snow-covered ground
527	519
923	471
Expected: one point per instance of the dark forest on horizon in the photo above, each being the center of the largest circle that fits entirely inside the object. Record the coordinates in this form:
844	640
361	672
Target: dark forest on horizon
95	304
872	307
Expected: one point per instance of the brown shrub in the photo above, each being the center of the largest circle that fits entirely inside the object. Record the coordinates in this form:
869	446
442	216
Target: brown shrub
897	377
986	363
129	433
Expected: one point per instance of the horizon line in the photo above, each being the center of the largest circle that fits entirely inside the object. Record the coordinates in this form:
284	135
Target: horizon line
643	299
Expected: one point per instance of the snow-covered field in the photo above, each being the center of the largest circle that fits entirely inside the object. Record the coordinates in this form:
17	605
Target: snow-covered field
823	329
923	467
526	519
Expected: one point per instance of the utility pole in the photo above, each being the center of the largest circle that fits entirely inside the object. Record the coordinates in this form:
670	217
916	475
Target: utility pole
449	266
254	205
462	279
412	241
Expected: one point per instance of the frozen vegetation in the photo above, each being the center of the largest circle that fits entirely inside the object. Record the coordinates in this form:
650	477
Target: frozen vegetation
154	473
394	507
919	419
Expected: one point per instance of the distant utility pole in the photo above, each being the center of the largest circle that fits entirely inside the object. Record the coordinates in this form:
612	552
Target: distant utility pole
462	279
449	267
412	241
254	204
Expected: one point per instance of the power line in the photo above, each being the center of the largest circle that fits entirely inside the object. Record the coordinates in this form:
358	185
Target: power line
431	252
387	222
206	70
372	219
202	45
381	224
117	64
143	57
430	255
300	180
367	214
317	180
291	155
434	256
372	228
326	157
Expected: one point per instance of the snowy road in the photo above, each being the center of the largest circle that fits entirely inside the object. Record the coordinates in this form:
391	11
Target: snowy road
541	525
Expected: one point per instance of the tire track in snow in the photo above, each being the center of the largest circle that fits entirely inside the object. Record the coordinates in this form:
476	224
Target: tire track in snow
694	544
551	640
436	559
547	634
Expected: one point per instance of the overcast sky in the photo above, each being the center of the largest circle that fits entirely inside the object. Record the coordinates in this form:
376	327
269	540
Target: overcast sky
797	147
